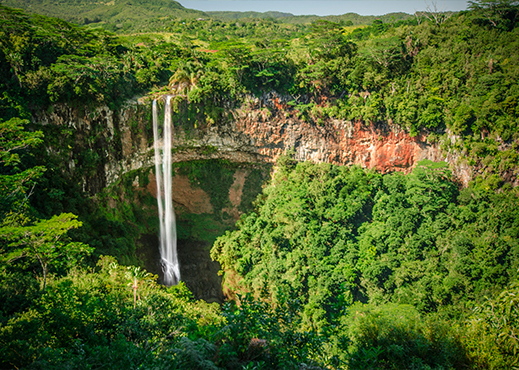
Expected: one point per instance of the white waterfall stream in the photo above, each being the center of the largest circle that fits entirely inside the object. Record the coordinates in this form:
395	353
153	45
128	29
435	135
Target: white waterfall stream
168	228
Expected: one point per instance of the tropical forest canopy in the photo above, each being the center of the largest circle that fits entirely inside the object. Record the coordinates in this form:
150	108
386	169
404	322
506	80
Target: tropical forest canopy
335	267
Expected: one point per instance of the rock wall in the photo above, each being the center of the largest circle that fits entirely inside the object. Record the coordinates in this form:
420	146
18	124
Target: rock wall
258	133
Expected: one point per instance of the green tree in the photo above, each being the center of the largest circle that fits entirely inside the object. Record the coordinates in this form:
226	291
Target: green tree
45	242
496	13
16	184
491	333
186	77
327	41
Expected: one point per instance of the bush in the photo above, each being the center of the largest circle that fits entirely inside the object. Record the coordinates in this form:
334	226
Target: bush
394	336
492	334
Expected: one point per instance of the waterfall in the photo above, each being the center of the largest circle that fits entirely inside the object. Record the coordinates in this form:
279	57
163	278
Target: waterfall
168	228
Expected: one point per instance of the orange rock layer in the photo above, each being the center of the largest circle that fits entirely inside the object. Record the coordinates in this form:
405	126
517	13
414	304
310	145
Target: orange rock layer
339	142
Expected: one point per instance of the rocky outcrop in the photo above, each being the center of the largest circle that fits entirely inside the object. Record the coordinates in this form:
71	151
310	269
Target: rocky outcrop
261	133
340	142
258	133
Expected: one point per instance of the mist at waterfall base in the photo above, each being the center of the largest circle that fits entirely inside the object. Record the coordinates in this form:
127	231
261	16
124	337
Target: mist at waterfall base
168	229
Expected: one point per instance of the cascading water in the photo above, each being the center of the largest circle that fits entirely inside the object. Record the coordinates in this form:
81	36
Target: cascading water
168	228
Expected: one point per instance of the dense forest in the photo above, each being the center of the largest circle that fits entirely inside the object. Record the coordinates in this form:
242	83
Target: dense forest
334	267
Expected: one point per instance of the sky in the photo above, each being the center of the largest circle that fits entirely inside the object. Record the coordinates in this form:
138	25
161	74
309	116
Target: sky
326	7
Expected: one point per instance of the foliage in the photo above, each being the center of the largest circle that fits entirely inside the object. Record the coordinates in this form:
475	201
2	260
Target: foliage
135	277
16	182
88	318
496	13
43	242
491	338
307	320
293	241
258	334
328	234
46	60
396	337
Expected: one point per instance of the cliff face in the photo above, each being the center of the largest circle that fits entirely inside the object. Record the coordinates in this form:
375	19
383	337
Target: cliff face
257	134
339	142
219	168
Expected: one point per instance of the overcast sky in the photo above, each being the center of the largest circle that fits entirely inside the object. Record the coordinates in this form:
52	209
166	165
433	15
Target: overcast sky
326	7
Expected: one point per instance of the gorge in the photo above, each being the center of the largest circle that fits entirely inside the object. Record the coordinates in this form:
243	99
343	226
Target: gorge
342	192
217	169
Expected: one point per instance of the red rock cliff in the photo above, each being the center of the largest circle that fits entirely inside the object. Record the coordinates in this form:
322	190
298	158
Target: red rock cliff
258	132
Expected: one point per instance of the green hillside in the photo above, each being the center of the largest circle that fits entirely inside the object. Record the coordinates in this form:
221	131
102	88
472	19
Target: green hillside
150	15
230	15
112	15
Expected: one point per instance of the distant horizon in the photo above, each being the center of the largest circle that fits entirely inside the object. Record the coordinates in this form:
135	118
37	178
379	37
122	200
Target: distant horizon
325	7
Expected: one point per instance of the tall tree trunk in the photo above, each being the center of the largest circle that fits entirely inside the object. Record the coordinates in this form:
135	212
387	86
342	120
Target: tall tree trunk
134	295
44	277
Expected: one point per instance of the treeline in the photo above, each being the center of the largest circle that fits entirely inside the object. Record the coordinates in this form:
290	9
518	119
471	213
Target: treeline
348	19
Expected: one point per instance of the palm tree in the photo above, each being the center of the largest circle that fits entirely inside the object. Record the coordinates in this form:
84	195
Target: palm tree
186	77
136	276
112	269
